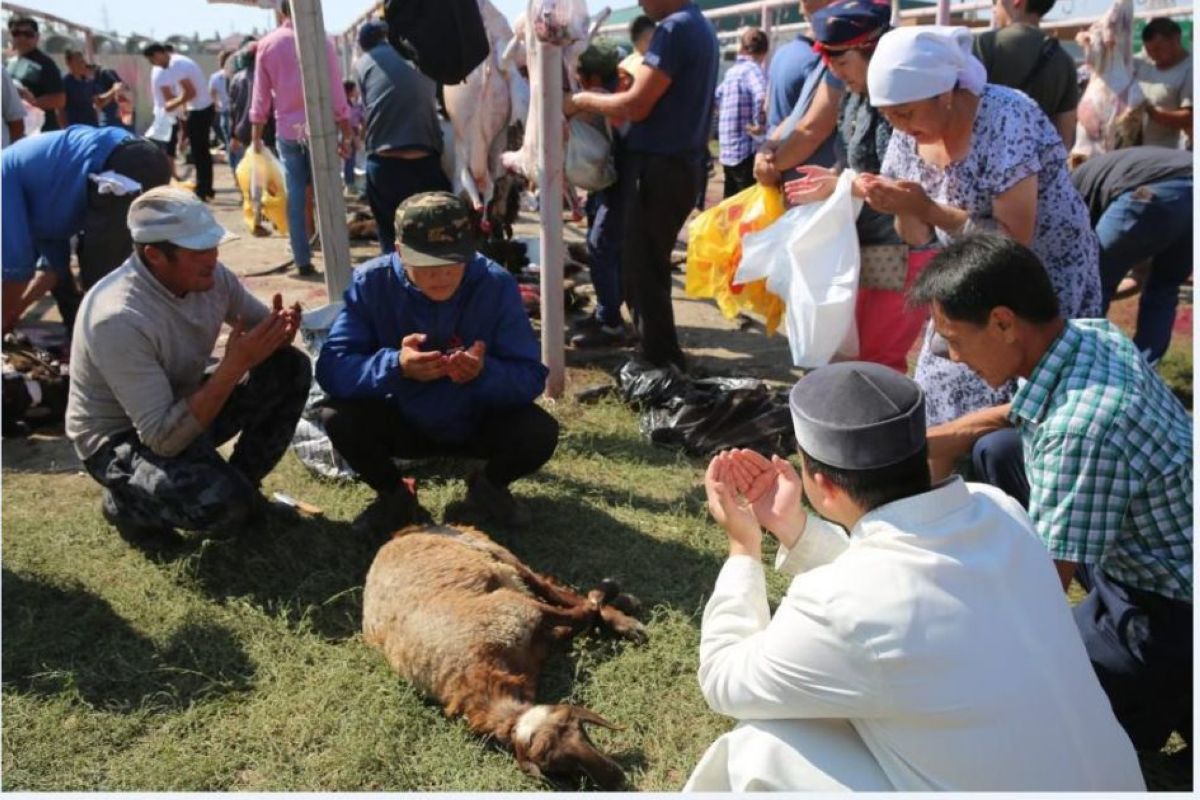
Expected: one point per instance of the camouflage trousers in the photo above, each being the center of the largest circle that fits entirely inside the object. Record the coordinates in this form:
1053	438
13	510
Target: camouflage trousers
197	489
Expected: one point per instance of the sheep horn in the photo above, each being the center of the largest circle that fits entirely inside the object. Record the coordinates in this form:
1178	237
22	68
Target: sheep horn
587	715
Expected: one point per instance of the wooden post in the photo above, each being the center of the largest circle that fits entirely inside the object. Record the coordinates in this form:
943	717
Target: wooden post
550	181
943	12
322	138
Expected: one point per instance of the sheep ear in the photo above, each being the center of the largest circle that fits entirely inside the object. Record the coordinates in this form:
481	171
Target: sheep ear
531	769
603	771
587	715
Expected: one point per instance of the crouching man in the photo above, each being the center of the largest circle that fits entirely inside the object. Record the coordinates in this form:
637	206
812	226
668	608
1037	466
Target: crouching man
433	355
143	415
931	648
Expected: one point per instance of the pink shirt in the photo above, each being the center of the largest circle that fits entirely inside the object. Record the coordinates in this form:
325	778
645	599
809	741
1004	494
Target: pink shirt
277	77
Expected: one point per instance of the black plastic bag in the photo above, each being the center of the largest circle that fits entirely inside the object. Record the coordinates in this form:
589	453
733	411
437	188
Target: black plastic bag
705	416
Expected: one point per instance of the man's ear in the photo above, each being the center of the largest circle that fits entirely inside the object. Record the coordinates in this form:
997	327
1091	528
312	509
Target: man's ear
1005	322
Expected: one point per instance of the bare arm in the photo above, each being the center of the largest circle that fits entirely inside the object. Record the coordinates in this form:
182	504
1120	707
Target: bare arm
814	128
1179	119
649	85
189	93
1066	571
1065	123
952	440
16	129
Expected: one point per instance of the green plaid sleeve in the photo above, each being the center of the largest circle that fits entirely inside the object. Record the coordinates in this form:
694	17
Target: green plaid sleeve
1079	492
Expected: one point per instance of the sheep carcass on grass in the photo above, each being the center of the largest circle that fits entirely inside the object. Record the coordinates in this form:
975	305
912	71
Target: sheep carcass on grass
469	624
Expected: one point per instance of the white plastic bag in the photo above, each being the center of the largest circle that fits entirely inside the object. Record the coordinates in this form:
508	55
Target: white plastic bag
810	258
589	162
310	442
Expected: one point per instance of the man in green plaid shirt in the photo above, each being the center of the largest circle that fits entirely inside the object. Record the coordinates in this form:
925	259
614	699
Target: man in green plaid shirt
1100	452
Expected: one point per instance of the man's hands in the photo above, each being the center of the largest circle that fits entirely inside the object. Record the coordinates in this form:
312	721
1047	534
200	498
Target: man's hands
746	490
246	349
765	171
462	366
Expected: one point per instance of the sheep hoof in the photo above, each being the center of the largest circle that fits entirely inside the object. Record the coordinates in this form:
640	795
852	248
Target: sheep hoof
627	604
610	588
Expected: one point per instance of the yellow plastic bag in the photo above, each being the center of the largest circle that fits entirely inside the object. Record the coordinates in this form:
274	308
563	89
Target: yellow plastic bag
260	177
715	250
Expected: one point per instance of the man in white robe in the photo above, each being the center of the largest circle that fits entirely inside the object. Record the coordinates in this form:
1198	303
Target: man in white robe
931	649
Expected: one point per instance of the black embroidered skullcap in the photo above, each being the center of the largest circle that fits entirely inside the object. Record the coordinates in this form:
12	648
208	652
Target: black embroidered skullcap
857	415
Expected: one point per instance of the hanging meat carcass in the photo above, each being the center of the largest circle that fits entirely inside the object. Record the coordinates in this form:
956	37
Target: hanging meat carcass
1110	111
480	109
578	34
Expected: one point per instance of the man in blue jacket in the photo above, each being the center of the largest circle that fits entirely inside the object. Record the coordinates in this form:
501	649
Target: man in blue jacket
433	355
46	198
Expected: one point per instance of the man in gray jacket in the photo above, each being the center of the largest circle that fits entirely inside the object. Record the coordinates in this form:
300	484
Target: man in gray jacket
404	137
144	417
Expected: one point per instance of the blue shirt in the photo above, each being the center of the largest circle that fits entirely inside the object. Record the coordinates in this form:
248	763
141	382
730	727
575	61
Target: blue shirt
80	93
105	80
685	48
43	192
786	74
826	154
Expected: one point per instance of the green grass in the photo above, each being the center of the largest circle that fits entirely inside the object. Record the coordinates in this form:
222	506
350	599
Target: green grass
239	666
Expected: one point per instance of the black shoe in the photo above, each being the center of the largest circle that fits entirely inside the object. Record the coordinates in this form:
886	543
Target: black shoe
388	513
601	336
496	502
306	270
147	538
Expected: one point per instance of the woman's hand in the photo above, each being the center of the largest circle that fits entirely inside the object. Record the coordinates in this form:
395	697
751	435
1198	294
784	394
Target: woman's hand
898	198
814	185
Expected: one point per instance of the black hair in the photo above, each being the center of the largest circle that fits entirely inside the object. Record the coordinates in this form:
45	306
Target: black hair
754	42
285	8
639	26
70	53
980	272
872	488
1161	26
349	86
1039	7
168	249
27	22
222	57
153	49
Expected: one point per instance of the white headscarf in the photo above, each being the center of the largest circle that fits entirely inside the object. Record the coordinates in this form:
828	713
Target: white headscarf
916	63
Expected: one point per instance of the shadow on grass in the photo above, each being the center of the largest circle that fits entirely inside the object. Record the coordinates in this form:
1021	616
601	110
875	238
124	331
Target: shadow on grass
62	640
310	573
625	449
579	544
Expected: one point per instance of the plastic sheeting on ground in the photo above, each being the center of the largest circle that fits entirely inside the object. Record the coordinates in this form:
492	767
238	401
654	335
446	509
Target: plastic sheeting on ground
706	415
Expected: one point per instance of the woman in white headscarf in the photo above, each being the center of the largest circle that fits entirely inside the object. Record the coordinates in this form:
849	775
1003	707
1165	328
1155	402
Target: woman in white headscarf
968	156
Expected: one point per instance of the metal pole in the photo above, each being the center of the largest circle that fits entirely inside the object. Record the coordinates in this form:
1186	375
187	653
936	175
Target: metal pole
943	12
322	138
550	179
895	13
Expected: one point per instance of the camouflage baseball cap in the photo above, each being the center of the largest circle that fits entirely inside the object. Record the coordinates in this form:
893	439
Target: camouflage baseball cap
434	229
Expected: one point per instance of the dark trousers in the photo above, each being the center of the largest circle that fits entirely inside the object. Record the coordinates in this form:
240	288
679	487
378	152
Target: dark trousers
739	177
105	242
999	460
1139	642
391	181
658	193
370	433
197	489
199	128
604	252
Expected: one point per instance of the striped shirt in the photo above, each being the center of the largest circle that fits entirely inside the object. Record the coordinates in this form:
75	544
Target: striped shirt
1108	452
741	100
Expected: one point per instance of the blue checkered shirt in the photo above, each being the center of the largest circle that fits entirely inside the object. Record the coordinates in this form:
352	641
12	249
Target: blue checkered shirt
1108	452
741	102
